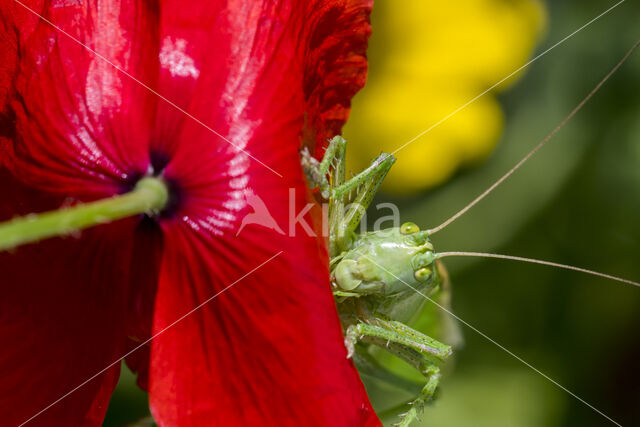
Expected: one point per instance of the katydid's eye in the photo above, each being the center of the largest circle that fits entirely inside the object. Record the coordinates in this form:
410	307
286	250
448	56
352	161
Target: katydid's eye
422	274
409	228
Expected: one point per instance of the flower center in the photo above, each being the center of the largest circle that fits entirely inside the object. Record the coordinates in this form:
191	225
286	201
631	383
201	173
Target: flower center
158	163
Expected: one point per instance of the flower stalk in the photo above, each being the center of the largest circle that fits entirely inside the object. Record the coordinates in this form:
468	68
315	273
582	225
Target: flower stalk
149	196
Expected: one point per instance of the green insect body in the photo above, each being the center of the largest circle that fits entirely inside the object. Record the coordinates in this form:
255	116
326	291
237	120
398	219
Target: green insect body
380	279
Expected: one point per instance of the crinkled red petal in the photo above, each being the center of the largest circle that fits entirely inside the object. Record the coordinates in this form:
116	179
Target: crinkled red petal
336	65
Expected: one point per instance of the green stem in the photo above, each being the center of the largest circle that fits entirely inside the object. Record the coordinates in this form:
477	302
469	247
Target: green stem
150	195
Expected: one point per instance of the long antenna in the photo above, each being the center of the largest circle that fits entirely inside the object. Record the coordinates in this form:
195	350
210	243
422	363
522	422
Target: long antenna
536	261
540	144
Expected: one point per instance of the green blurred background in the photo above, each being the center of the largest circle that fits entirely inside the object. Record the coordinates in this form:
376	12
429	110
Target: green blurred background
576	202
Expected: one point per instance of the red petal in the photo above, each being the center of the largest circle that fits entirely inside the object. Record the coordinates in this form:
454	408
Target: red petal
143	276
83	126
336	65
8	46
61	320
268	351
253	71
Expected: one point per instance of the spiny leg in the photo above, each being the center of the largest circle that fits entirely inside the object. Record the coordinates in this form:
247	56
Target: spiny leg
432	374
369	366
406	336
425	364
378	169
326	174
366	183
317	171
342	224
444	350
336	205
143	422
417	349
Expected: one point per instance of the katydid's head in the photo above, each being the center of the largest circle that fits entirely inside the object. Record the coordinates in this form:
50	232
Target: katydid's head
387	262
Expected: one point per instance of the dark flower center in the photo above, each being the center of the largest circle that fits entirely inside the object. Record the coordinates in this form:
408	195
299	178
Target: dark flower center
157	166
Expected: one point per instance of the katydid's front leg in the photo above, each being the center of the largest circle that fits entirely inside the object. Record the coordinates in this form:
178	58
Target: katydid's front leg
327	174
366	184
317	171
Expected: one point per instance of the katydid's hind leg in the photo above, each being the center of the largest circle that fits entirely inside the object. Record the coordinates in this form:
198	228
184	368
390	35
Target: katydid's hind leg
369	367
432	374
410	338
425	364
143	422
420	351
423	343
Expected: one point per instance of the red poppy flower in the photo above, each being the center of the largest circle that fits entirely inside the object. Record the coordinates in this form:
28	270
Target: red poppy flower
264	75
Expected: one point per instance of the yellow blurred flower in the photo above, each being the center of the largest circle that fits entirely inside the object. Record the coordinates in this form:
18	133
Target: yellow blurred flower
428	58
